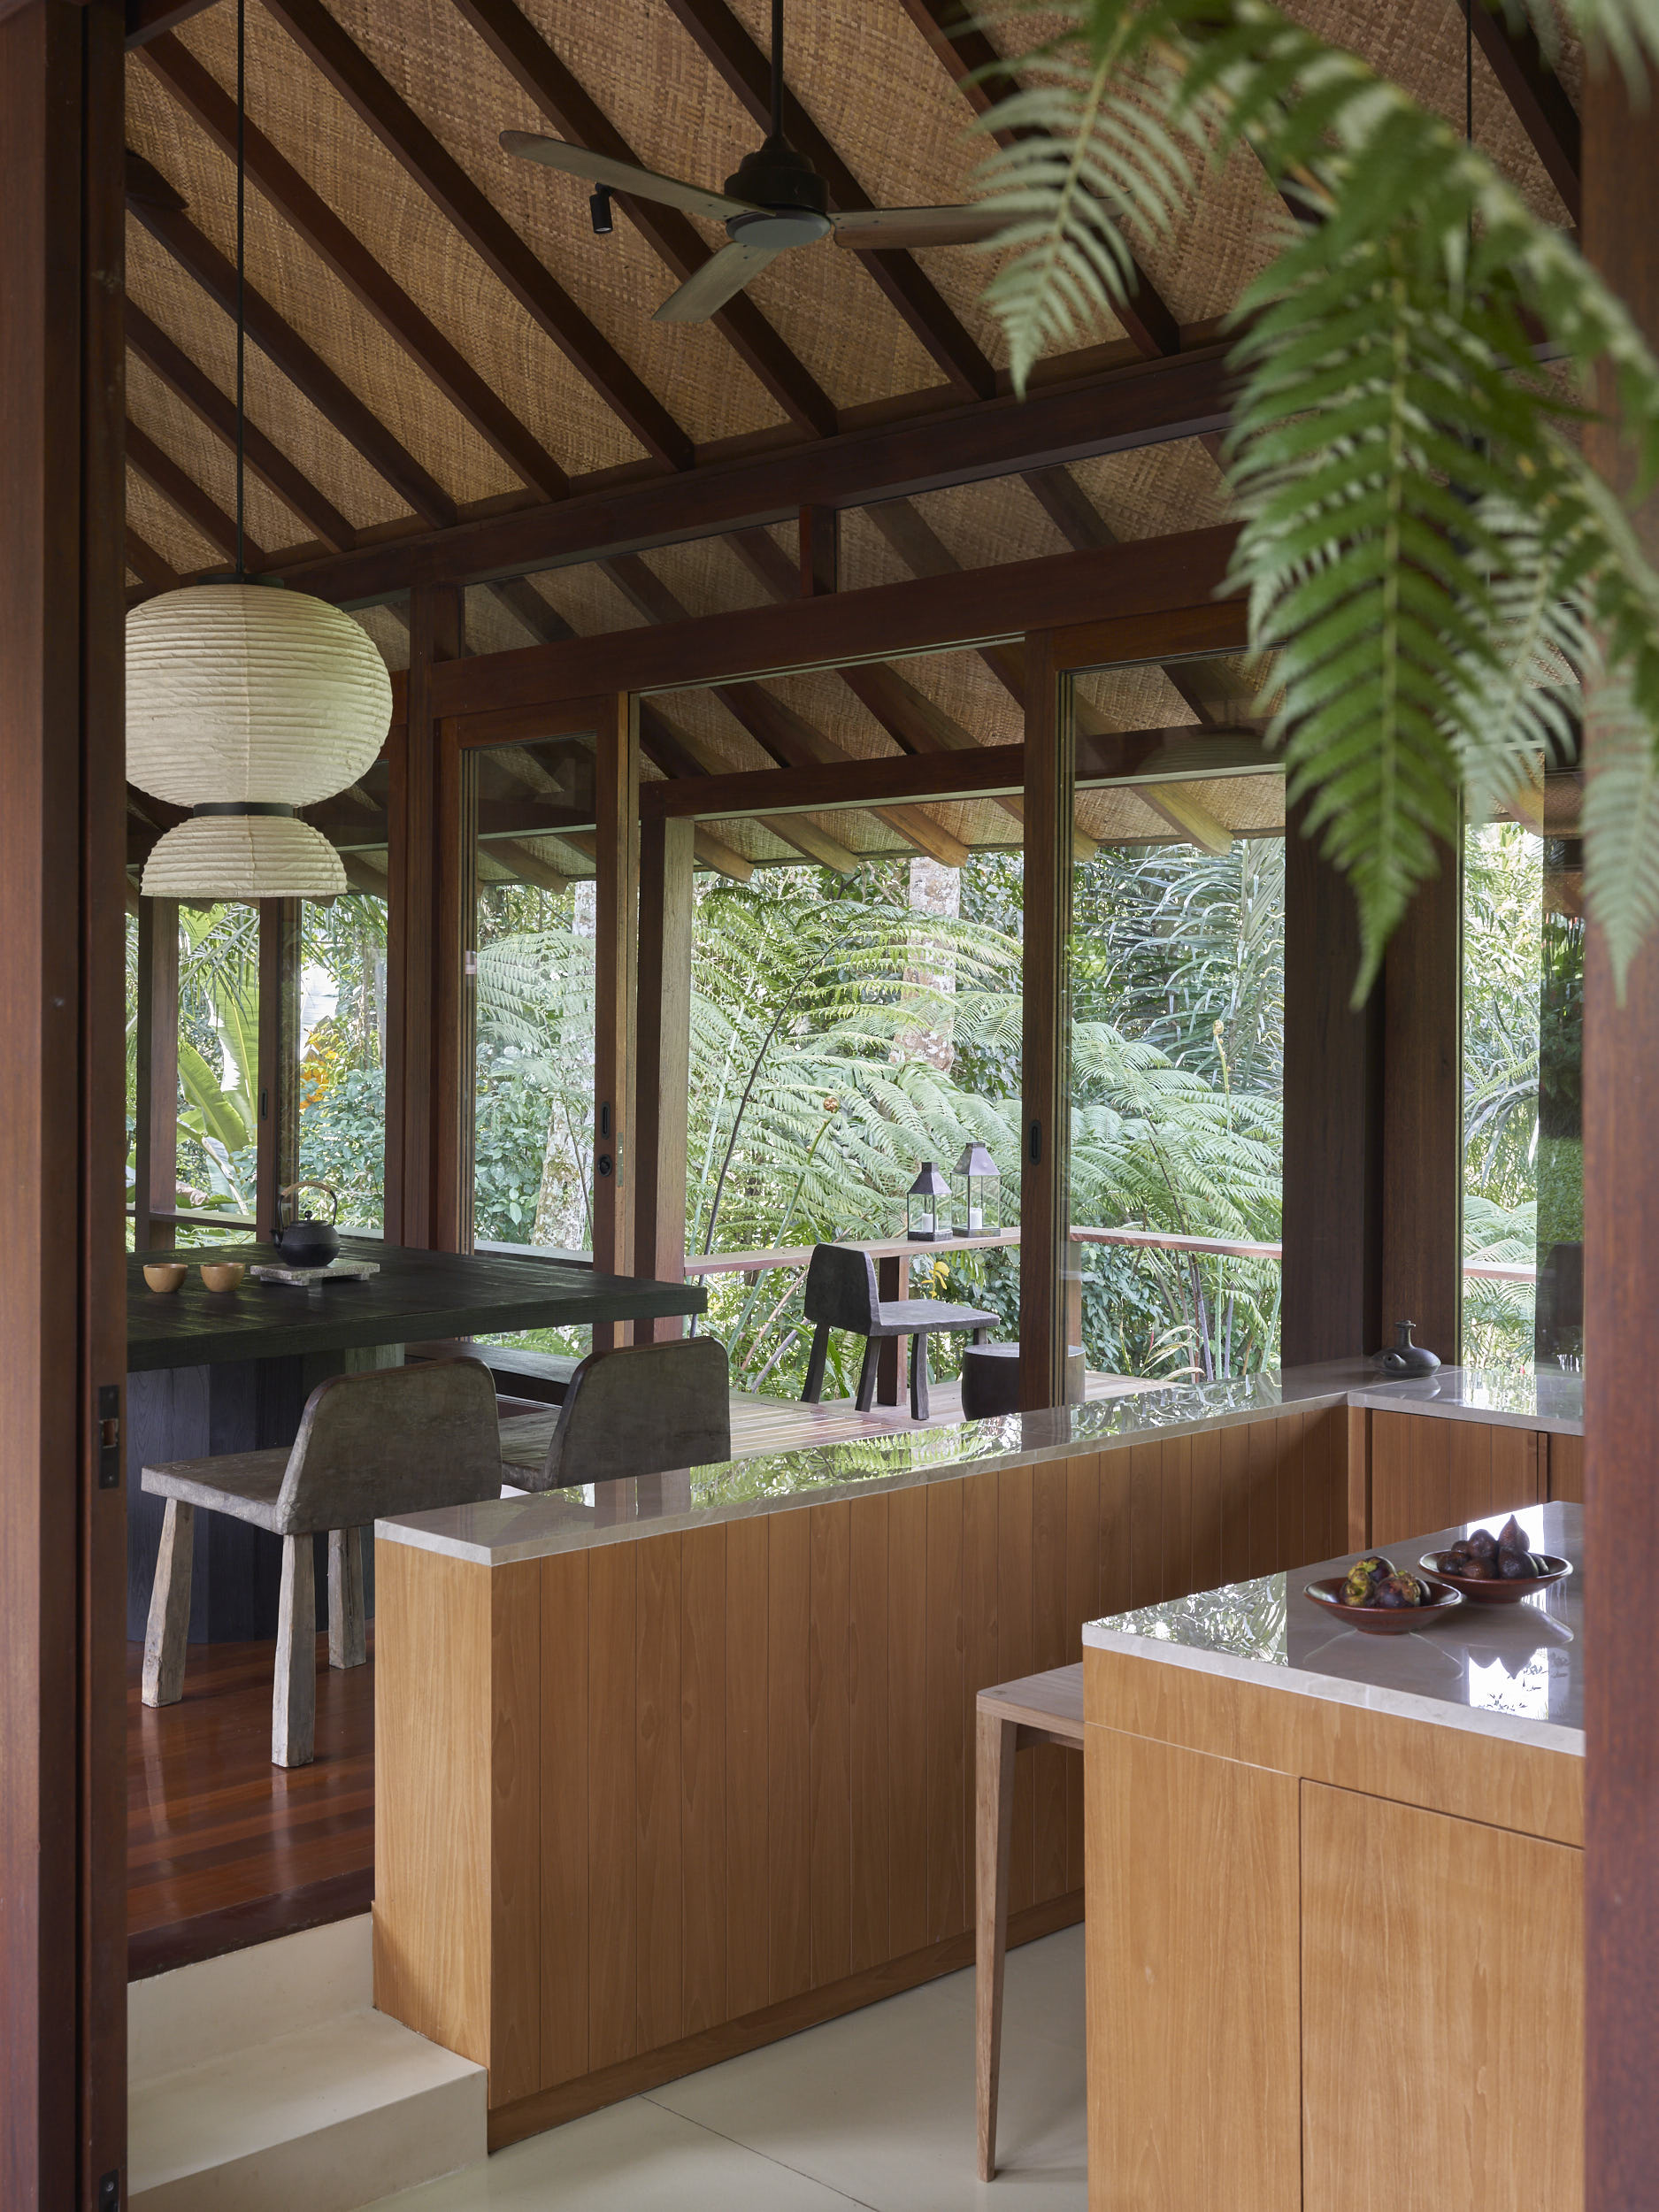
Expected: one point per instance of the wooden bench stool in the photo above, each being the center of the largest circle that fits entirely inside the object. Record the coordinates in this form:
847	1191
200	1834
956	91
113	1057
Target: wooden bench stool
1038	1708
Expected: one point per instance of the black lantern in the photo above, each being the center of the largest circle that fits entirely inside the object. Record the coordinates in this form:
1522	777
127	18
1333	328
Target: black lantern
922	1224
976	1179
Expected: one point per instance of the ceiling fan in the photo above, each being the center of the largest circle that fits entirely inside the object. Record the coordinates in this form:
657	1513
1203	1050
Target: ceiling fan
775	200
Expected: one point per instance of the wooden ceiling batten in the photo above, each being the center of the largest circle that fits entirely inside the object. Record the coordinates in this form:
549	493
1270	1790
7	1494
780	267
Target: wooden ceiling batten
441	363
486	230
1144	403
1537	97
200	394
978	70
146	562
571	108
164	474
154	204
746	70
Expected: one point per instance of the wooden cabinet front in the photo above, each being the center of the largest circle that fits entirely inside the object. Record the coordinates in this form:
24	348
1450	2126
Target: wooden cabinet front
1442	2015
1429	1473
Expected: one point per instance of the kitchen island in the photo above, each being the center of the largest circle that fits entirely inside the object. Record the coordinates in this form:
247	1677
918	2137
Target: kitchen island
668	1768
1334	1896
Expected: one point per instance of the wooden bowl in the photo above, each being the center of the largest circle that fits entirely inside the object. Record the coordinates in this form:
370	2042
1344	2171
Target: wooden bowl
1381	1620
222	1274
1496	1592
165	1278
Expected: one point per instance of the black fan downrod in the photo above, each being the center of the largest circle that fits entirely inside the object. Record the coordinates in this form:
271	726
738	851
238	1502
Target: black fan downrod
791	201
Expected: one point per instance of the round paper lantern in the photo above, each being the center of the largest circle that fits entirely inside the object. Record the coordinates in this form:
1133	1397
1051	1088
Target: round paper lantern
246	696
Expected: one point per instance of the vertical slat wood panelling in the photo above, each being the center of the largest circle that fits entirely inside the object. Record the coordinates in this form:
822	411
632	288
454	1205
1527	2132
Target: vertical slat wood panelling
946	1748
748	1619
1430	1473
612	1816
981	1644
515	1831
660	1906
1266	1459
907	1719
1053	1649
1017	1636
1176	1489
1205	1451
1235	1504
1359	1482
1146	1522
829	1741
1566	1468
702	1782
869	1770
1082	1603
564	1771
789	1843
1116	1522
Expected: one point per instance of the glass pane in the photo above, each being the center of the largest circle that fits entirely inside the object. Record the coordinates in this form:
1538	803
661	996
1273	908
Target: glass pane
219	1059
1177	1027
342	1049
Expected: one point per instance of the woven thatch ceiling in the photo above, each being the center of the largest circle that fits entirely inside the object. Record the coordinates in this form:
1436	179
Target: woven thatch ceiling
406	278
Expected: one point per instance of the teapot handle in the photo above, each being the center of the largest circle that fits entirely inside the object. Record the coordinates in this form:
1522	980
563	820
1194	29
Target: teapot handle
288	1190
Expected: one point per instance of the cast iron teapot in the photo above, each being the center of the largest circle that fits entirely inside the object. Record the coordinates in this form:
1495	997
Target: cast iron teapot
302	1241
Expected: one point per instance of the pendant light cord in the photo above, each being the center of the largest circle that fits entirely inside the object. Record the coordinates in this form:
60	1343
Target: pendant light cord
242	280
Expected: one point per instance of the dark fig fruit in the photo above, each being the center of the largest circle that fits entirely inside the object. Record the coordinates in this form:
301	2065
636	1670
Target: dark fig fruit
1477	1571
1512	1537
1482	1545
1515	1566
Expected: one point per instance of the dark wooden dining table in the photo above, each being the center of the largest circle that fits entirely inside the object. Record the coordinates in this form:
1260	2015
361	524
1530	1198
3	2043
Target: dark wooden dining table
230	1371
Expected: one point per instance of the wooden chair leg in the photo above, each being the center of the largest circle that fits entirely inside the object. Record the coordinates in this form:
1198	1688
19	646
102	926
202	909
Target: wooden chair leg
994	1837
294	1698
867	1374
169	1624
920	1404
816	1359
348	1642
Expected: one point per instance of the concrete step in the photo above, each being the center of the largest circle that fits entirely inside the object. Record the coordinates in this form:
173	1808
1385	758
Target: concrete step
265	2081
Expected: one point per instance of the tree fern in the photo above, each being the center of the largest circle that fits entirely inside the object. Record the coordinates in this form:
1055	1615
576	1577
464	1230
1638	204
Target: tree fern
1423	549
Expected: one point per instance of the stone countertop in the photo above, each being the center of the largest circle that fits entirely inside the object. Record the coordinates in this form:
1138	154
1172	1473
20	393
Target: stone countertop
501	1530
1546	1399
1509	1670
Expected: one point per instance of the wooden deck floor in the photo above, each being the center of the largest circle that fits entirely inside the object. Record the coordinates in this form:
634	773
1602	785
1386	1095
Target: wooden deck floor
224	1849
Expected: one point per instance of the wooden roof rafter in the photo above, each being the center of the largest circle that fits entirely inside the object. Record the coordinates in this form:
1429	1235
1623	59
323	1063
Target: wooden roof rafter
746	70
180	490
155	203
532	63
304	209
1537	97
469	209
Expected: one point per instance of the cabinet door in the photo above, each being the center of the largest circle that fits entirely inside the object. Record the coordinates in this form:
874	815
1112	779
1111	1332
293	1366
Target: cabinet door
1193	2056
1429	1473
1566	1469
1442	2011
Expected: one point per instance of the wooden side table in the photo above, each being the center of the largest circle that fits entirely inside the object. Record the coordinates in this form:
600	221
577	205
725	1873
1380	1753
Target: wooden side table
1038	1708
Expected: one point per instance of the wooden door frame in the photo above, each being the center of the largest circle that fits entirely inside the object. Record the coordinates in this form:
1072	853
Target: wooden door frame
63	1508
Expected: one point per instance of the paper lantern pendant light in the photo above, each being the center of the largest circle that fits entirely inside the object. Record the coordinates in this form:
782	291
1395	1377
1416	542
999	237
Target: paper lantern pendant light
244	701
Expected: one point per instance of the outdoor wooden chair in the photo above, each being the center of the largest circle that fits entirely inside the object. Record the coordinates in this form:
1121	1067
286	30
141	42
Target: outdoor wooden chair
643	1409
391	1440
840	1294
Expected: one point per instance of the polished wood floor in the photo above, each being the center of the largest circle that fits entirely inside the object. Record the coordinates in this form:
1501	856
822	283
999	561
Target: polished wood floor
223	1850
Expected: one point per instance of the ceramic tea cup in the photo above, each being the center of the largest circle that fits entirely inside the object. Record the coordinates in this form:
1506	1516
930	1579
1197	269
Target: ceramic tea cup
222	1274
165	1278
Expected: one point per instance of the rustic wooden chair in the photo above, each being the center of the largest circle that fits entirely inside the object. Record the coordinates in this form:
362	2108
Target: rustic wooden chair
840	1294
391	1440
1038	1708
640	1410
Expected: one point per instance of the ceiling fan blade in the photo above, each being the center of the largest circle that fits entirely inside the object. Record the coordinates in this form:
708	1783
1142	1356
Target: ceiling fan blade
709	288
870	227
621	176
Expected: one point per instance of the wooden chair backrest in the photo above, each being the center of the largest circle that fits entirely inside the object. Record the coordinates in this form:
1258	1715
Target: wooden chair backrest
841	1288
642	1410
392	1440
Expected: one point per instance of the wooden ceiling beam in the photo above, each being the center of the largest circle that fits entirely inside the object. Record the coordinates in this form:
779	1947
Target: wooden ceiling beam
516	856
982	77
145	562
152	18
538	72
306	212
192	385
788	736
180	489
1537	97
465	205
154	203
1144	403
747	71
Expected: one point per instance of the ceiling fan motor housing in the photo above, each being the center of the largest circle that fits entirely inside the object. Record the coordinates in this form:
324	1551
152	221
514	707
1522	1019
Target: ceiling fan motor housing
792	201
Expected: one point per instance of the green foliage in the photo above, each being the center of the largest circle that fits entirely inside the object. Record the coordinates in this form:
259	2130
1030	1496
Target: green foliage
1425	550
